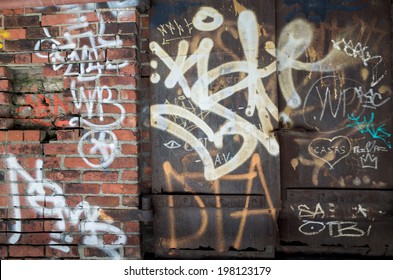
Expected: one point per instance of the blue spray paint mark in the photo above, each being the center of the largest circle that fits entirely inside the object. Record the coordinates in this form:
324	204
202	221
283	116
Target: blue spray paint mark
367	126
316	10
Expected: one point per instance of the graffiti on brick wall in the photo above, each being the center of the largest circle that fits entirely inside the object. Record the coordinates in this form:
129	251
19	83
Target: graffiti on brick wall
95	100
3	35
46	199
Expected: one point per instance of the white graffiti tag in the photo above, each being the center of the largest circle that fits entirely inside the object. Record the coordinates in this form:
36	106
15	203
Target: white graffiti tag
46	198
90	68
198	93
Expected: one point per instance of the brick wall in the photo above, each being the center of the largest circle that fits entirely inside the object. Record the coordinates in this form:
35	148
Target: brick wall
72	85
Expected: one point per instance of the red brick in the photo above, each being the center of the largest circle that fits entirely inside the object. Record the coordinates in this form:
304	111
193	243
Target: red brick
5	85
38	32
102	176
52	162
68	135
128	95
21	21
129	70
63	175
126	163
32	226
11	12
3	252
145	21
25	149
15	34
103	201
38	59
15	135
91	17
5	73
120	188
35	238
129	16
19	45
113	54
3	136
132	252
130	122
23	58
32	135
26	251
125	135
132	226
117	80
127	28
129	149
60	149
52	252
129	40
4	200
5	98
129	175
50	20
94	252
82	188
130	201
79	163
133	239
73	200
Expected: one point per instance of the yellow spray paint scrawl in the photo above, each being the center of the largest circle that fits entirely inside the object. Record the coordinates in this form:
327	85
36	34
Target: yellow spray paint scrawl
3	35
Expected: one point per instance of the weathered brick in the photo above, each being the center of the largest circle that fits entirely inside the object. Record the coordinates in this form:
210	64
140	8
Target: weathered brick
127	15
103	176
33	135
6	123
103	201
61	149
39	33
132	227
129	175
21	21
130	201
132	252
23	58
5	98
67	135
5	73
5	85
125	135
51	20
15	135
19	45
7	58
19	149
129	149
128	95
26	251
63	175
120	188
82	188
15	34
52	252
113	54
127	28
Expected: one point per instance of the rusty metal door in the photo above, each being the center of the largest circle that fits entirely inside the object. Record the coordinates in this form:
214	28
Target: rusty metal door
271	125
216	159
336	156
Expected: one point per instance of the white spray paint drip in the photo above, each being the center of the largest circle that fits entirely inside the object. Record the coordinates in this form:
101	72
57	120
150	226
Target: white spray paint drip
46	198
